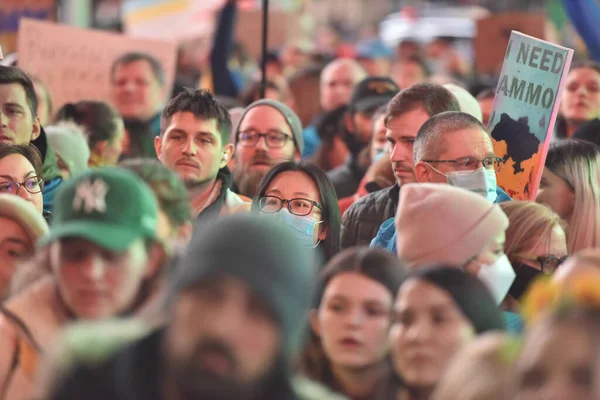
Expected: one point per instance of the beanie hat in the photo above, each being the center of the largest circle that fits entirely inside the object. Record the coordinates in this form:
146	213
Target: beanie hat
468	103
265	256
290	117
438	223
25	214
470	295
69	142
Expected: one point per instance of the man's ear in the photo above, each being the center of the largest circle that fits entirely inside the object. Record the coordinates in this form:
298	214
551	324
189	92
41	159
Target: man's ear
100	147
422	172
36	129
158	146
227	154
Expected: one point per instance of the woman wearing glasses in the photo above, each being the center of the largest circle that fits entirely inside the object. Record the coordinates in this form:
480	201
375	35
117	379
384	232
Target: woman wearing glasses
302	196
535	244
21	173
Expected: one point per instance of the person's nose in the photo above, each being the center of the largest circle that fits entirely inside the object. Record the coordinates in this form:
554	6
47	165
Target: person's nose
190	147
354	319
399	153
93	268
419	331
22	193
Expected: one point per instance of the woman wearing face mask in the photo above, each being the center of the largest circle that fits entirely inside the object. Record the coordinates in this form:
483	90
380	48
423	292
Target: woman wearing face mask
104	129
437	311
348	351
570	185
438	223
581	98
536	244
301	196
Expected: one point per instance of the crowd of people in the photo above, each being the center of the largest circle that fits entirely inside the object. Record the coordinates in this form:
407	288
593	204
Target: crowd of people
344	237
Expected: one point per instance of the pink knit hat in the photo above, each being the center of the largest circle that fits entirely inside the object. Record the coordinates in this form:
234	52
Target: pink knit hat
437	223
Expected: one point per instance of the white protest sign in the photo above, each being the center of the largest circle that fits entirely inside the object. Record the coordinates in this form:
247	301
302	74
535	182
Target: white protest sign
75	63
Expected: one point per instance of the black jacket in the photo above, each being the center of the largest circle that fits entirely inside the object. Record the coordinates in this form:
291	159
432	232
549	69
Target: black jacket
363	219
134	373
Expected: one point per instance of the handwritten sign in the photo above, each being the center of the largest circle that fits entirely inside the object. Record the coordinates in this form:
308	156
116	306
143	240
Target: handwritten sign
525	108
75	63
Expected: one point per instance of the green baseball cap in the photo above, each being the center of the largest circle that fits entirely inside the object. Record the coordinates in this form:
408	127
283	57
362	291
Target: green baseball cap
109	206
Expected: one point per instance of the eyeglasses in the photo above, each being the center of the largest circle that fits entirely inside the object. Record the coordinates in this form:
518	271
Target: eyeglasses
33	185
472	163
549	263
298	206
273	138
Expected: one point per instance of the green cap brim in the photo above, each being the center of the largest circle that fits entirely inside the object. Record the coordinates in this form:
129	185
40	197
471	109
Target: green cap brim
109	236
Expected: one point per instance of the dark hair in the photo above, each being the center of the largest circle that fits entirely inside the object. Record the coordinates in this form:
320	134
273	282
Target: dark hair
329	201
433	98
29	151
132	57
203	105
173	197
253	91
375	264
470	294
429	139
10	75
569	152
98	119
416	60
588	64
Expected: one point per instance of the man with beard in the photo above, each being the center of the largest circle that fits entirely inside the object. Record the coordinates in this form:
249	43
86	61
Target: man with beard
194	142
268	133
237	309
370	94
405	114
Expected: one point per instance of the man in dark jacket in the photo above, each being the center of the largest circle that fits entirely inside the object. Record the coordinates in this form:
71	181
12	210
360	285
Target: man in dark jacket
19	124
237	306
370	94
406	112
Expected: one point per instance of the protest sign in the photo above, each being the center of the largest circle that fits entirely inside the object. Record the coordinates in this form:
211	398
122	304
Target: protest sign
525	108
11	11
75	63
493	33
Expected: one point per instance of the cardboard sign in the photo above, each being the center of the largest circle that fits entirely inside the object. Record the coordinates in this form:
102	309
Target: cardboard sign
11	11
75	63
493	33
525	108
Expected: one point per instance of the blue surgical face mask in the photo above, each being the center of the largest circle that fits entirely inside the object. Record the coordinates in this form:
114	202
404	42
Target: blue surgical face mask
481	181
303	227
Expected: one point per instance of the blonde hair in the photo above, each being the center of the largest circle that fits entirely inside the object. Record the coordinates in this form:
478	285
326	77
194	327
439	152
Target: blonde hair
578	164
481	371
529	224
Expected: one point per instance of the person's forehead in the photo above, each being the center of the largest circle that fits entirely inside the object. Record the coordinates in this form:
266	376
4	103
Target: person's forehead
264	118
12	229
134	69
189	122
408	123
419	293
13	93
291	182
15	164
344	71
467	142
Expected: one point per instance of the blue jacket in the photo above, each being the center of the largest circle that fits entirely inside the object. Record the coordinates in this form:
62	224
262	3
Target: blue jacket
386	236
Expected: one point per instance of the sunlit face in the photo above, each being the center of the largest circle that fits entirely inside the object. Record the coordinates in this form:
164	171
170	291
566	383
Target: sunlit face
135	90
429	329
253	162
222	338
15	245
97	283
298	185
472	142
486	106
546	371
337	83
555	192
17	169
488	256
193	148
401	134
553	243
378	140
353	321
17	124
581	98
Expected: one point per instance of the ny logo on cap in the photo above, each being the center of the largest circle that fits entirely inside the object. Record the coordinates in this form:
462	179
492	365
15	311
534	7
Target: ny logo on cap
91	196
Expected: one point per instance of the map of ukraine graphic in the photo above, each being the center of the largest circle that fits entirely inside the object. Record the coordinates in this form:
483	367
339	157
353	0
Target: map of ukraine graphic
521	143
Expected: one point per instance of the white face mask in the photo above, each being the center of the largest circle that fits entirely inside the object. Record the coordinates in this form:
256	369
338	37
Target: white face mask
498	277
481	181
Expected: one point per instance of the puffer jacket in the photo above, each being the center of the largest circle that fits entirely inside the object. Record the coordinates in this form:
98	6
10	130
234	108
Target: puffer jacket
363	219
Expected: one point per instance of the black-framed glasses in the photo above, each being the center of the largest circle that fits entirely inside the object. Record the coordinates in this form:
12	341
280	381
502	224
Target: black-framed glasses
297	206
472	163
33	185
550	263
274	138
